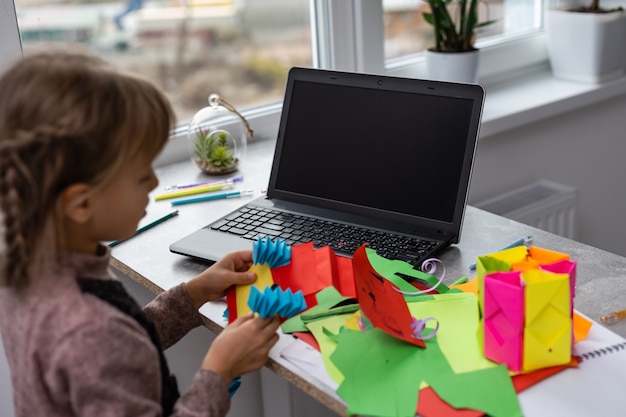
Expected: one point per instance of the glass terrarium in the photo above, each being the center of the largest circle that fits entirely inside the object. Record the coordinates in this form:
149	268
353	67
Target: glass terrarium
217	137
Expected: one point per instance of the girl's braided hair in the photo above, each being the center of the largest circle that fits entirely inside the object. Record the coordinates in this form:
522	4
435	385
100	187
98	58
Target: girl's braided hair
65	117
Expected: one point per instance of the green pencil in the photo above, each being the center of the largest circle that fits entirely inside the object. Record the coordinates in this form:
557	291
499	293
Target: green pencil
146	227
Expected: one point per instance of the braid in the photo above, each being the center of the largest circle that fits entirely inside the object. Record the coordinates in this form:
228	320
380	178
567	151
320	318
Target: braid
21	196
16	252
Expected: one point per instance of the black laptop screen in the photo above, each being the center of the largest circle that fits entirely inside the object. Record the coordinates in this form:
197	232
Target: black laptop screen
394	151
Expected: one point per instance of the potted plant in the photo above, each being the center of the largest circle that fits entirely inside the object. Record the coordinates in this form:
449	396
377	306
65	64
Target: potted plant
215	152
455	23
586	43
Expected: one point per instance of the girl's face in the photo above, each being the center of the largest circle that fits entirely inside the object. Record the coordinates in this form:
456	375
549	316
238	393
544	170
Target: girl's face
114	210
118	207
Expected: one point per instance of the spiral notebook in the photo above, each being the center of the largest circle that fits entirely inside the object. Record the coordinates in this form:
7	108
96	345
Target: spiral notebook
594	388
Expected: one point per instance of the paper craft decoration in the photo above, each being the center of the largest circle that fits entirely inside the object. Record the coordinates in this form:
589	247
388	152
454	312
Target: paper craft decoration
266	254
527	300
311	270
276	302
383	303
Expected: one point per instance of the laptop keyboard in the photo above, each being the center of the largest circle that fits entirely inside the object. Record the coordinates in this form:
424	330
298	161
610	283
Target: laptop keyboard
252	222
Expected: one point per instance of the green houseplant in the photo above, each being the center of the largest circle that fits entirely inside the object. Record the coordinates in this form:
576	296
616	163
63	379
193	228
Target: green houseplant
455	24
214	152
453	56
586	43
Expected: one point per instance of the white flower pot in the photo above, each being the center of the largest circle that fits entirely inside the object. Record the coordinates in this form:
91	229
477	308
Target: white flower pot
586	47
452	66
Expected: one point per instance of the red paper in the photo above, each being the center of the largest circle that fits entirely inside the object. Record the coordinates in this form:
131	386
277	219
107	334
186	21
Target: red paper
380	302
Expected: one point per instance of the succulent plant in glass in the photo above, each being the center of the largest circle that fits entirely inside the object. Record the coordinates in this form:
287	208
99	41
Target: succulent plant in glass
215	152
217	136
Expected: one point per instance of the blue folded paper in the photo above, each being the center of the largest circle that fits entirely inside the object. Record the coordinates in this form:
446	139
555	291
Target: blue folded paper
275	252
275	301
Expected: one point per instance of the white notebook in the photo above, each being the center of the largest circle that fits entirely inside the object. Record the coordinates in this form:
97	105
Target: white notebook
596	388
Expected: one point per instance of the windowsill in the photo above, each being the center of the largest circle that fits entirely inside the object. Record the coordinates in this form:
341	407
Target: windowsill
538	95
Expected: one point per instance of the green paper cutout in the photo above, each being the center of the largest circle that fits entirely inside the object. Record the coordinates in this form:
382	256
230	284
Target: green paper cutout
489	390
326	299
381	373
388	268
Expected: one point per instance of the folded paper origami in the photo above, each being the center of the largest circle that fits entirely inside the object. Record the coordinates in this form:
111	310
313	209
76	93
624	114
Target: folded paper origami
276	302
527	301
383	303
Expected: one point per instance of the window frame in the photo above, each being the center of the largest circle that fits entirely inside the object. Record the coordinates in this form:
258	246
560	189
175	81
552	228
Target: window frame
10	43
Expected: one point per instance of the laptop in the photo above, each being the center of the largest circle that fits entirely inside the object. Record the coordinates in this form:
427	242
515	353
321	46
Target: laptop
360	159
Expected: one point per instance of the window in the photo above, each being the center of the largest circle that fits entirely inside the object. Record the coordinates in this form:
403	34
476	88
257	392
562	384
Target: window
190	48
242	49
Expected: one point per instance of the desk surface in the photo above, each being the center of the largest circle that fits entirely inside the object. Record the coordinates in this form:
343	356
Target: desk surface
601	276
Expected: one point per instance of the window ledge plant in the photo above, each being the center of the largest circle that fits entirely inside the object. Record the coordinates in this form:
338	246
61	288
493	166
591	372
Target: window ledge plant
454	23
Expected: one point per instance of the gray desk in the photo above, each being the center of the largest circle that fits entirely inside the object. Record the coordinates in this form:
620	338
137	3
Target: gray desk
601	276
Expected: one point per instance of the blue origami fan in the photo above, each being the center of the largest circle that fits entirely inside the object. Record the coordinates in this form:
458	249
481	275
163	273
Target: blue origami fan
274	301
275	253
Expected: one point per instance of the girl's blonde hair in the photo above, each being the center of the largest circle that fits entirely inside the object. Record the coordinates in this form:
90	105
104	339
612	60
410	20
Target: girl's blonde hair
65	117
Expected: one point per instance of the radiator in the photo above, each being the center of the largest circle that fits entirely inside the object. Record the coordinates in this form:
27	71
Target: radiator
544	204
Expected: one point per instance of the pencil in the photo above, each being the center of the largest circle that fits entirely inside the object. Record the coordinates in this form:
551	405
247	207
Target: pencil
146	227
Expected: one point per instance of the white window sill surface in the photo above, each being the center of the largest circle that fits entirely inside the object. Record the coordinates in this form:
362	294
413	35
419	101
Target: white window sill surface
538	95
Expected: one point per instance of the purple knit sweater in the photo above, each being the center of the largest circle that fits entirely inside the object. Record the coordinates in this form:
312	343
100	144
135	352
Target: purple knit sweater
72	354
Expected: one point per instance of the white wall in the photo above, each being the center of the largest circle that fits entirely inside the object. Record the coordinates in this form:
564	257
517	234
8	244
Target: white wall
585	148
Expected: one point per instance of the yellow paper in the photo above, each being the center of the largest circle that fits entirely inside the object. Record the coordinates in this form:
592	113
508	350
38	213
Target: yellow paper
459	324
242	292
548	323
327	345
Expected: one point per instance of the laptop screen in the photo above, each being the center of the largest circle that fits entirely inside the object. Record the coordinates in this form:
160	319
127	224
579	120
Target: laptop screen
385	147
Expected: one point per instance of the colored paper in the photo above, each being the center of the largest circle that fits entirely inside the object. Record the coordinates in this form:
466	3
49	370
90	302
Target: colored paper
312	270
403	275
382	377
504	318
237	297
490	390
527	298
548	322
459	326
321	329
380	302
381	373
274	253
326	302
275	302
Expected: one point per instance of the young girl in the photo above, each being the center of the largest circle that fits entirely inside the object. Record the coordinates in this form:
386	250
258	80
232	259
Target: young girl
77	140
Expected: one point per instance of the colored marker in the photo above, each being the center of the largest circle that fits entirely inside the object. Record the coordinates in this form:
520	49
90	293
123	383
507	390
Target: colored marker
519	242
182	192
146	227
238	178
231	194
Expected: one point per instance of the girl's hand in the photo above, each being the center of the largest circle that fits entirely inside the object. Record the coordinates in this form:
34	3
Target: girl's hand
211	284
242	347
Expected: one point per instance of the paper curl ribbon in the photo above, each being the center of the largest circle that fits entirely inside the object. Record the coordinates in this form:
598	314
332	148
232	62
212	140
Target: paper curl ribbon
429	266
419	326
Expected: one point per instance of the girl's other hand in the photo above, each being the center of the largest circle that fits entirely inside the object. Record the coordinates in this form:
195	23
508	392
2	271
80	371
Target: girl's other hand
242	347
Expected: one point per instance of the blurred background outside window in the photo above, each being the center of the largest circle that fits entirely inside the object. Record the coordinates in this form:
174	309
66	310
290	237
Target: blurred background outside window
240	49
